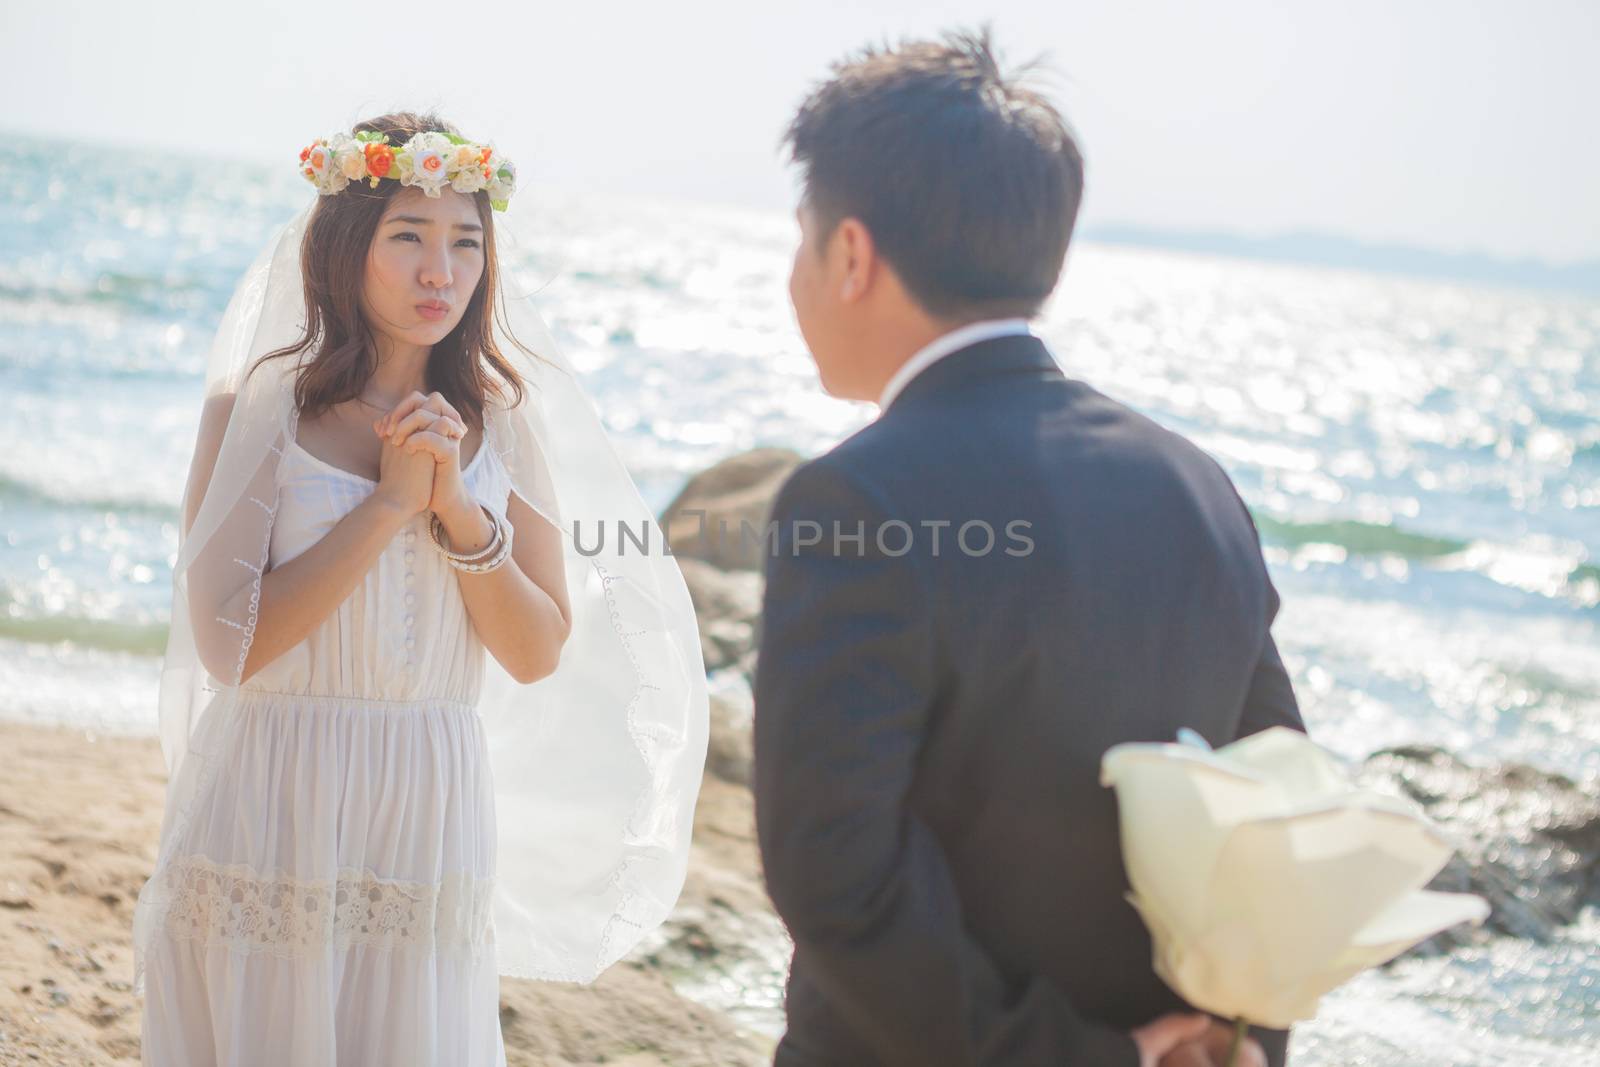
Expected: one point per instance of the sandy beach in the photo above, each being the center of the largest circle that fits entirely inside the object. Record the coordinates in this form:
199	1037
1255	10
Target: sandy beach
80	816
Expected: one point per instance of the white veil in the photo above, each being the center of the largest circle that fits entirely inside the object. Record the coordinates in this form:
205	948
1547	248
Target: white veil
596	768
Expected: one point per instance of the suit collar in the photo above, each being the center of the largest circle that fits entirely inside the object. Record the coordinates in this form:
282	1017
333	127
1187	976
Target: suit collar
979	361
953	341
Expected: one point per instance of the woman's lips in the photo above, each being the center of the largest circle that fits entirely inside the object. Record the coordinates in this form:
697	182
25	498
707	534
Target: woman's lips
433	312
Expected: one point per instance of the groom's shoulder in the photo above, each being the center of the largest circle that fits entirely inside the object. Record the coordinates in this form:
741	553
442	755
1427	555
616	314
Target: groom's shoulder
856	469
1119	431
830	471
937	447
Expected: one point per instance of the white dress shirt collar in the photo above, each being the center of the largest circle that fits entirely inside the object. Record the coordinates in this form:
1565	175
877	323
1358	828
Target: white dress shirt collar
944	345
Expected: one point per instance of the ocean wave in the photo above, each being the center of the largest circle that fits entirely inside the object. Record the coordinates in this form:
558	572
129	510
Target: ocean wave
1356	538
147	293
105	635
1539	566
15	490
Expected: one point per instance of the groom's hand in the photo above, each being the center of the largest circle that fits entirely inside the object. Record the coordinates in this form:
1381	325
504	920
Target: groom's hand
1160	1036
1192	1041
1208	1049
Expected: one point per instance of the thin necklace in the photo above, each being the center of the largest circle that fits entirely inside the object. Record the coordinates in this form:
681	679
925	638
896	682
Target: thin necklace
370	404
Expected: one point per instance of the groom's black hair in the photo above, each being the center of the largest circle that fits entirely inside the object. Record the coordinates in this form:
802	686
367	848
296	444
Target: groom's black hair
968	180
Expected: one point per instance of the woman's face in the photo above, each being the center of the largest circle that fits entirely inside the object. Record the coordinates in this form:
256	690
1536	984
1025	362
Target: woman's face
423	267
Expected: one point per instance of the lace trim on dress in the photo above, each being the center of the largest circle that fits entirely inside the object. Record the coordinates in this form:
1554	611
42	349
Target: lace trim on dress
257	569
233	905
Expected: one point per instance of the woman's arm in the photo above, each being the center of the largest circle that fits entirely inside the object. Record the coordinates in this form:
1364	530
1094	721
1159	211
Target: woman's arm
298	595
522	613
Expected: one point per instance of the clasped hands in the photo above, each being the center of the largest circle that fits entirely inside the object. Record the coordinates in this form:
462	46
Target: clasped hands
420	466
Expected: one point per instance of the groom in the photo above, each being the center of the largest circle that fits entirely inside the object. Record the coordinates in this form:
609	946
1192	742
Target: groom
971	599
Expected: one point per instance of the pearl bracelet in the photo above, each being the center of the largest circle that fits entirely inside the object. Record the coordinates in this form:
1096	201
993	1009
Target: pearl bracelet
492	563
436	530
486	559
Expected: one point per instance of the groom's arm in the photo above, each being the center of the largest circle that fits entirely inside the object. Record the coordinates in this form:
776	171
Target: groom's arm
844	682
1270	700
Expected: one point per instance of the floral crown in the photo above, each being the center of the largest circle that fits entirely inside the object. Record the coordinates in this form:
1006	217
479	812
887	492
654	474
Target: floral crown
429	160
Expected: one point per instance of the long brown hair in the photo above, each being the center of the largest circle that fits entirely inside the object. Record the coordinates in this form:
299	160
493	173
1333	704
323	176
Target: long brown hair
333	255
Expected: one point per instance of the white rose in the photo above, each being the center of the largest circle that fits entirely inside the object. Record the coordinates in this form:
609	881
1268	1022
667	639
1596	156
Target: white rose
351	160
324	172
425	162
468	180
428	171
1266	877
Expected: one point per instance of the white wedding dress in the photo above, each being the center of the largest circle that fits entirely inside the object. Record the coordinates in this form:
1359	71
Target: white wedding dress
333	889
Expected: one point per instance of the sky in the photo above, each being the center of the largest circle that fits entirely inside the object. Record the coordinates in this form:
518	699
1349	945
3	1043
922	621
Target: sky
1455	125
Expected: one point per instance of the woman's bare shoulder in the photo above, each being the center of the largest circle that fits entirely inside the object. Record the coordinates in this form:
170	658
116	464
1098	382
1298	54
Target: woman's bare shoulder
208	443
218	407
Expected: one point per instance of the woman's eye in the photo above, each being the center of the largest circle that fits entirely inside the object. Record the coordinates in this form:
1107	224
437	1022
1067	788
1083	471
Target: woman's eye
465	242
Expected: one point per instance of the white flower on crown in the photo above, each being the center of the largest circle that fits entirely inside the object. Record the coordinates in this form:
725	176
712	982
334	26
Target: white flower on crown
424	162
349	156
322	170
504	182
333	179
318	159
467	169
467	181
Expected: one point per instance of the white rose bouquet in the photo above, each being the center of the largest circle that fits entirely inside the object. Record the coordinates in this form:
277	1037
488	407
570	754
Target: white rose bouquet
1266	877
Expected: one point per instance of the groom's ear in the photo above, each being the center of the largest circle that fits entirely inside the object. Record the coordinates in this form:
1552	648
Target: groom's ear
858	259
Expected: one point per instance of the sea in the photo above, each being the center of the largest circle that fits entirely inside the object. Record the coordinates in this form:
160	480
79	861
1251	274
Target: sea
1422	458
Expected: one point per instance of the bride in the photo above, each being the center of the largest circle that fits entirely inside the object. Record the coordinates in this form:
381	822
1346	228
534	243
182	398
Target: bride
414	739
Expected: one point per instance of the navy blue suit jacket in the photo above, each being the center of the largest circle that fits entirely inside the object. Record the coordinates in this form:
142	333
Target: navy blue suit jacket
967	603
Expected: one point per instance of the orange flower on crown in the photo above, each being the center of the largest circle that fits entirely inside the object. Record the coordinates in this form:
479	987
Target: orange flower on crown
380	157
